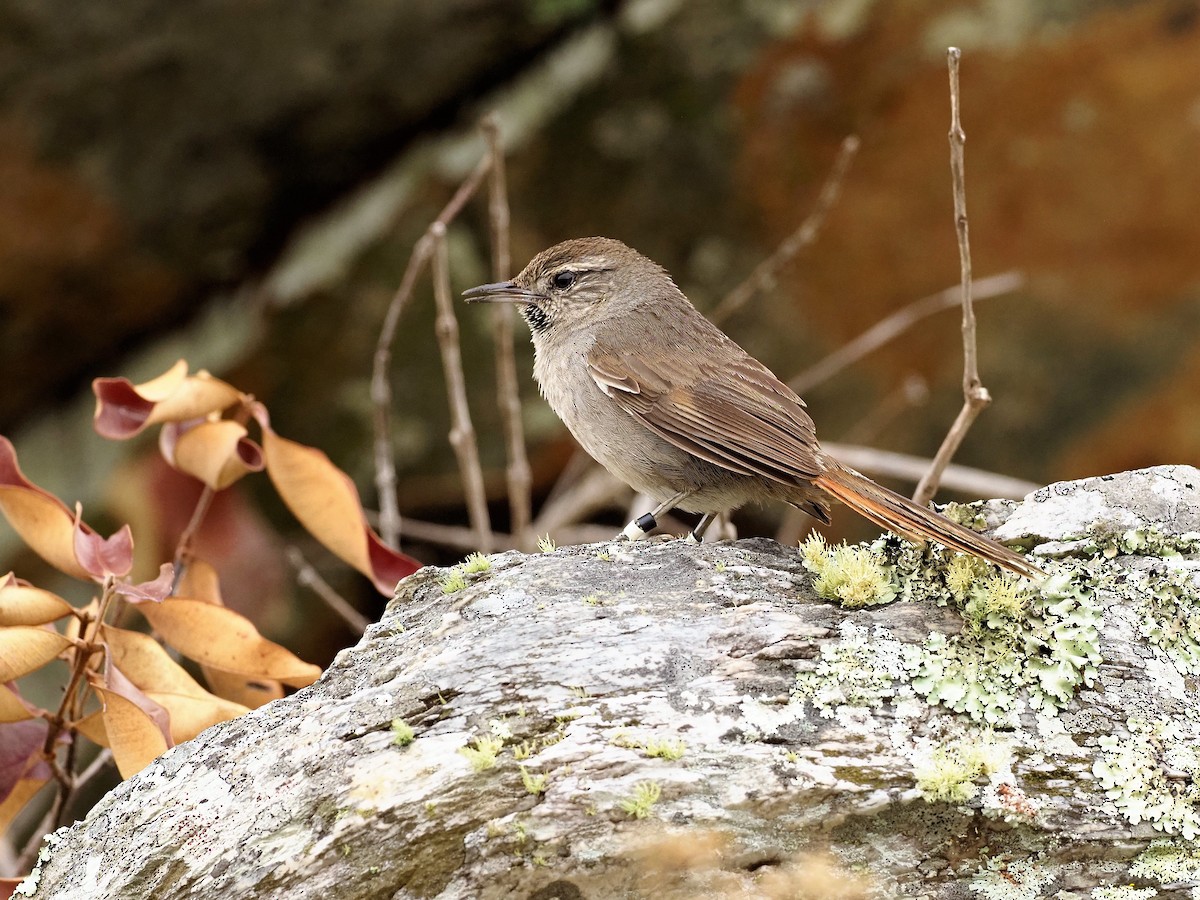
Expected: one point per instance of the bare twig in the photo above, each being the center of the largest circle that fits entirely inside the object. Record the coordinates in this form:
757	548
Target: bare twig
308	577
764	274
462	432
911	392
381	388
975	395
965	479
897	323
594	491
508	395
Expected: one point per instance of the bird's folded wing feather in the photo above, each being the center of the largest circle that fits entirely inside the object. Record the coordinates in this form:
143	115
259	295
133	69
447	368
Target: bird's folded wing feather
743	418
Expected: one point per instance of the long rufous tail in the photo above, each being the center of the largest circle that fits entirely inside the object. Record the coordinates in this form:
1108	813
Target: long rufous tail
888	509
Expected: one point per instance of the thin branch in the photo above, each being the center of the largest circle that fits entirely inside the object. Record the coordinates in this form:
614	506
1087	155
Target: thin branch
508	395
975	395
897	323
381	388
764	274
462	432
594	491
308	577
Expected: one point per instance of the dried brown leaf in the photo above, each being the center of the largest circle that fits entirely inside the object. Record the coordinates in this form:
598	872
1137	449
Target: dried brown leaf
327	504
133	736
123	409
21	604
191	714
26	648
219	637
12	706
217	453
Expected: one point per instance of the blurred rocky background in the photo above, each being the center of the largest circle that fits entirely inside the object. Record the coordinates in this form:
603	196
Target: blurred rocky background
242	184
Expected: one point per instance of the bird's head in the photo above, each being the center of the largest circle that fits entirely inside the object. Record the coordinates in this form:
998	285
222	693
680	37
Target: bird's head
575	282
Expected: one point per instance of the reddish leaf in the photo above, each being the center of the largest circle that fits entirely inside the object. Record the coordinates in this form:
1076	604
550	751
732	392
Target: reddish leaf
7	886
149	591
20	753
326	502
123	409
101	557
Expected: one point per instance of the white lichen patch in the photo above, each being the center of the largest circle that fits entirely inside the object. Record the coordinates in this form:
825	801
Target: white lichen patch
1169	862
1014	879
855	674
1170	614
1123	892
1140	775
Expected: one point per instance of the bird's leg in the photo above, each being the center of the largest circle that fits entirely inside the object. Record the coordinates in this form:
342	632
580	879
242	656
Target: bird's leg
696	535
643	525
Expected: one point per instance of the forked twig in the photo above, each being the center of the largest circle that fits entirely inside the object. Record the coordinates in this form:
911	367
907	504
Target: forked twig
896	324
975	395
508	396
381	388
462	432
764	273
308	577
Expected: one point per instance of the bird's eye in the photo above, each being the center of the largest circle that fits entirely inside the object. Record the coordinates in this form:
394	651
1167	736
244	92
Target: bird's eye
563	280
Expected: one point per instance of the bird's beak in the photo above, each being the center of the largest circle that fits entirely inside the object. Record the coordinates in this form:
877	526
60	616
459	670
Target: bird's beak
501	292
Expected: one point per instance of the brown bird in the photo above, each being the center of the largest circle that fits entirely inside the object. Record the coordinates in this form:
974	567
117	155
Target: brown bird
670	405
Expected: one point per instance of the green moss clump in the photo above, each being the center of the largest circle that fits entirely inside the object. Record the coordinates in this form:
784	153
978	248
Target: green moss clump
856	576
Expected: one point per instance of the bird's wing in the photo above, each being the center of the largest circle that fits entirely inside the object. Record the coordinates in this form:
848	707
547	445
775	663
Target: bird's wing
741	417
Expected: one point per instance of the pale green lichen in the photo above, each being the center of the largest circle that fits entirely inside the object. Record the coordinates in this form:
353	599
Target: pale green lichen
1123	892
1004	878
453	581
1168	862
546	544
1044	654
947	772
854	575
533	784
1139	774
1170	616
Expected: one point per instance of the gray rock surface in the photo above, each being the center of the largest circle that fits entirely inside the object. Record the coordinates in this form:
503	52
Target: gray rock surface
963	740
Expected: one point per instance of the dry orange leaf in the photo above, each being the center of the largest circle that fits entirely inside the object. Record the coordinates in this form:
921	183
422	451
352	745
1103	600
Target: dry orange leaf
249	692
327	504
26	648
219	637
135	739
24	605
12	709
41	520
190	714
200	582
23	791
92	727
144	662
123	409
217	453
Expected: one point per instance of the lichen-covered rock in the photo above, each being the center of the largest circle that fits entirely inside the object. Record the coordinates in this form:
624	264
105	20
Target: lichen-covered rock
666	720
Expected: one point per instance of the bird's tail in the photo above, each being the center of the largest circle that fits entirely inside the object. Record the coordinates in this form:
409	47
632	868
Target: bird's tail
888	509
